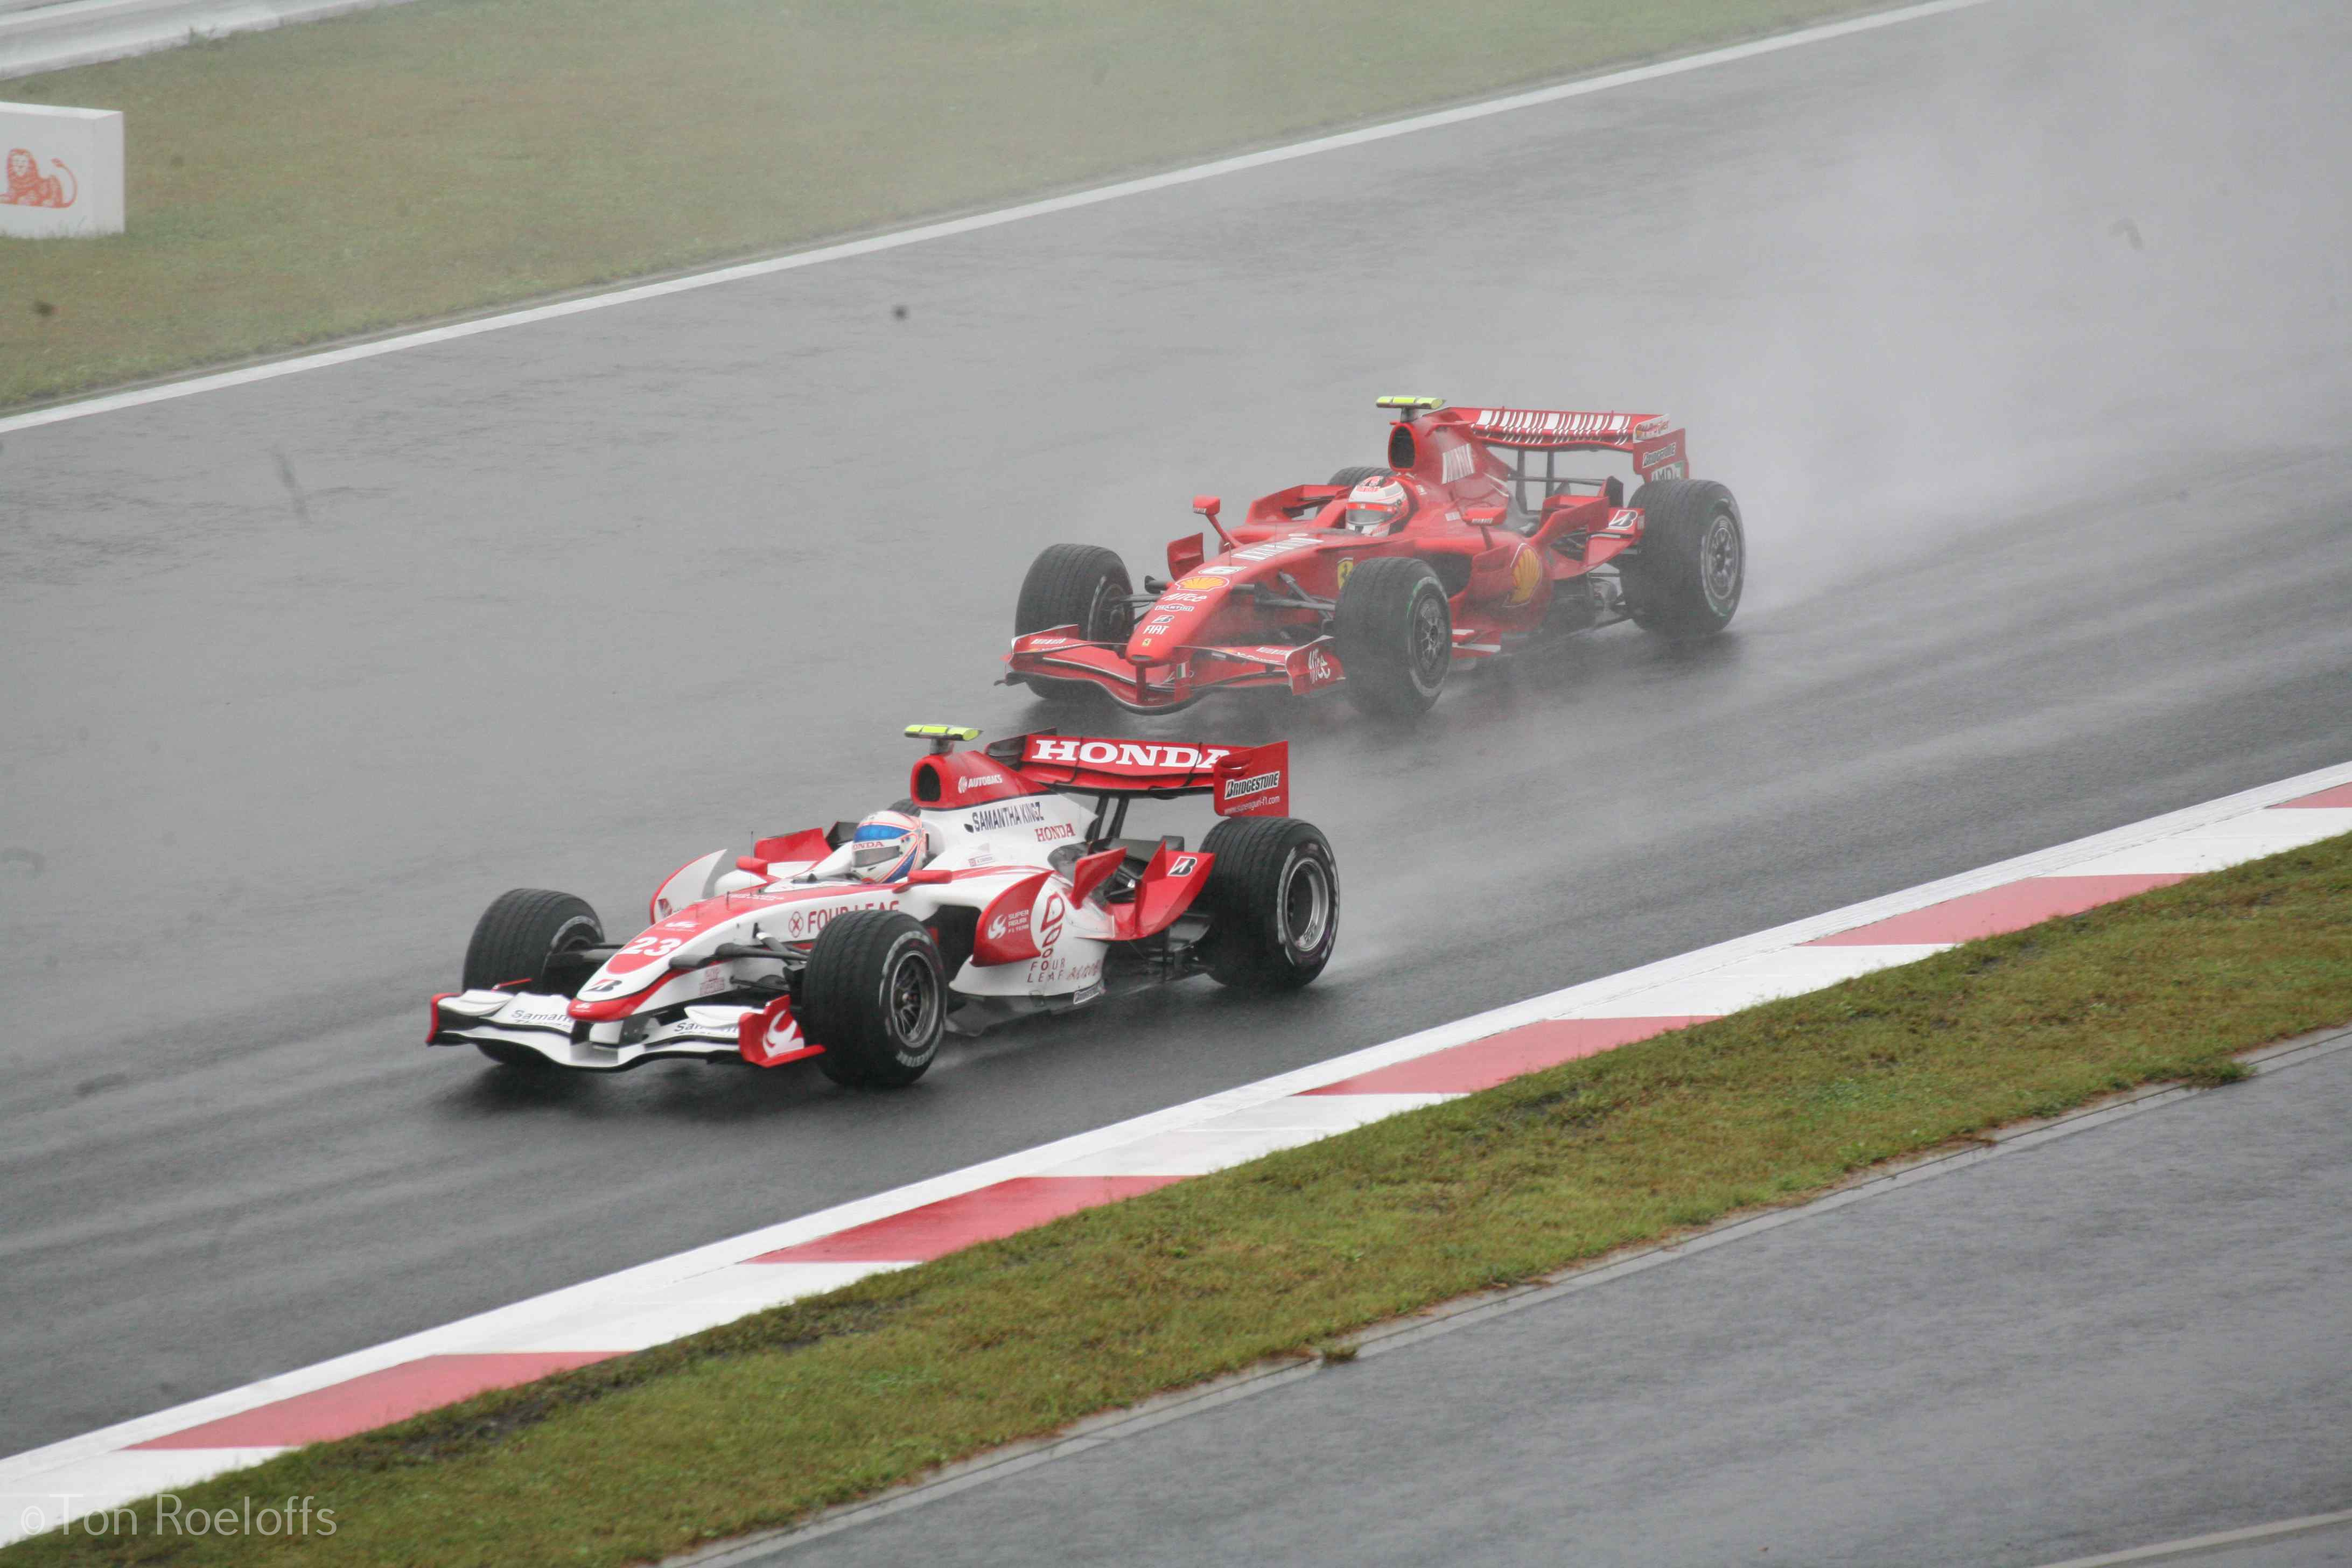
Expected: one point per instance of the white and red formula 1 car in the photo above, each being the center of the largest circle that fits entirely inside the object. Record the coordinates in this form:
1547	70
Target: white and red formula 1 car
1013	895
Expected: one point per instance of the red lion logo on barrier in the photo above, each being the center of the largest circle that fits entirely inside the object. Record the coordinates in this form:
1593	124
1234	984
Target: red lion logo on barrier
28	188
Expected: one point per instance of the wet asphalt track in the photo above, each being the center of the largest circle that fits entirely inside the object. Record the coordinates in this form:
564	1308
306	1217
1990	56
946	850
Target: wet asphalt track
2127	1335
2020	333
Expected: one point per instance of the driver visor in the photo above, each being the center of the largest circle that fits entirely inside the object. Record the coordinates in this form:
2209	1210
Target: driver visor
868	852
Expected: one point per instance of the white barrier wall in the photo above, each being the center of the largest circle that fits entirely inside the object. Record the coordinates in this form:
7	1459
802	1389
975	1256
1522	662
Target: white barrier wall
49	35
63	174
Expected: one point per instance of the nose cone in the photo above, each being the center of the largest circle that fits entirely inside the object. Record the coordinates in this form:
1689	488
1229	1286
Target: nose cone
1177	619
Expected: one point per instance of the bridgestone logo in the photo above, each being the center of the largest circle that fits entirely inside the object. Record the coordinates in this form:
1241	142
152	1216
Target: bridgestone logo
1257	783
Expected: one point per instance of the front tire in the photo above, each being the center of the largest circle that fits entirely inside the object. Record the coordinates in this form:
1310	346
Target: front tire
1273	902
1685	581
512	946
874	996
1395	636
1083	585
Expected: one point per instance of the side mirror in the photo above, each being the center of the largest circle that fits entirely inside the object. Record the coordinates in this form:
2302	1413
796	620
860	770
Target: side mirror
1207	507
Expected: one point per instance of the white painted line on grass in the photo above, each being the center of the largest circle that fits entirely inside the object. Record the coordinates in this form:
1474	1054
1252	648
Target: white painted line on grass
2208	1545
925	233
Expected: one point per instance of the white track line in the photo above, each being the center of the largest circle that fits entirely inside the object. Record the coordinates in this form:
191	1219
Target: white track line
2228	1540
629	1305
926	233
1402	1333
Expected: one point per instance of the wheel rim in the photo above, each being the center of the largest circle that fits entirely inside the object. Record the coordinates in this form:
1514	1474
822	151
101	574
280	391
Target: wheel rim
912	999
1719	564
1107	620
1432	646
1306	905
579	932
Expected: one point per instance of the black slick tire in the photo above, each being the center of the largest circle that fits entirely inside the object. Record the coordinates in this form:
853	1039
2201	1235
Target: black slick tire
1351	478
1395	636
1273	902
1684	581
874	996
512	943
1083	585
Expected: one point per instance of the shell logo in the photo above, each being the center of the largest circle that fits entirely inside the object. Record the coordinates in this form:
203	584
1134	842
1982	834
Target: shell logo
1526	571
1200	585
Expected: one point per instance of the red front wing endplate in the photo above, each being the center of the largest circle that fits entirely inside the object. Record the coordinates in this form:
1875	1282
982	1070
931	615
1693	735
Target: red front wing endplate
1183	679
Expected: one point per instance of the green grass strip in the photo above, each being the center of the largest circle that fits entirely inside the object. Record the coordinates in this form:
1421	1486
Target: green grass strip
766	1420
350	176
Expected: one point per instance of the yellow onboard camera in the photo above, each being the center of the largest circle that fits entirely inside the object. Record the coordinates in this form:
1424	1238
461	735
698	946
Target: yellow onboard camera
942	737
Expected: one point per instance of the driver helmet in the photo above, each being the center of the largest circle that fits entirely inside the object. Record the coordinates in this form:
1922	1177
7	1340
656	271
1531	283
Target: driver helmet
1375	504
886	847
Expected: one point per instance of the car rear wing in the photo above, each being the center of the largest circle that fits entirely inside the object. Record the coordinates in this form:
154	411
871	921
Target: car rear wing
1659	450
1244	781
1556	429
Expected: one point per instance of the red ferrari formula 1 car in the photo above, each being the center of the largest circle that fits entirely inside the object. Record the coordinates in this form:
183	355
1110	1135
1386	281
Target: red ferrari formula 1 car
993	891
1474	543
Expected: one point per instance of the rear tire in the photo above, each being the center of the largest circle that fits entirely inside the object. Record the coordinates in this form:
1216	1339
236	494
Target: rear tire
1685	581
1395	636
874	996
1351	478
1083	585
512	942
1273	902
